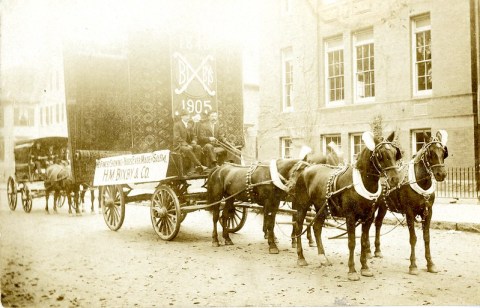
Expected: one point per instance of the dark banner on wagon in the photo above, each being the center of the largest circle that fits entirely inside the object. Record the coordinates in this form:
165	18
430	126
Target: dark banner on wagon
194	74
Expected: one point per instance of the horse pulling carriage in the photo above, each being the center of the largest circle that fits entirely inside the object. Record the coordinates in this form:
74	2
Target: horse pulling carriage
32	169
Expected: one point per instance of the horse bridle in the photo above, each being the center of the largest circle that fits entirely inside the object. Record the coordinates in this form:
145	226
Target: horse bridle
426	162
376	162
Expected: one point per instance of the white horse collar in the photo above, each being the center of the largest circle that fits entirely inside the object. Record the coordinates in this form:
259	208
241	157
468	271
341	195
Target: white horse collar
275	175
412	179
360	188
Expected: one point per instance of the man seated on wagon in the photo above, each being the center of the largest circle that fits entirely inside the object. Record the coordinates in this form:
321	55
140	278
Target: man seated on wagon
38	158
185	141
51	156
210	138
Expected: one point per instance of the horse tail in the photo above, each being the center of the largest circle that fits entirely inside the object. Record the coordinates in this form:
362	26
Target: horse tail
213	184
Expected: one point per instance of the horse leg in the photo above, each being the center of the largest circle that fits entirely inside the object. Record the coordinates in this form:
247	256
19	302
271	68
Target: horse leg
271	207
82	198
301	213
69	199
413	270
216	214
92	199
56	197
352	273
311	242
225	215
365	248
426	238
47	195
293	237
76	201
317	231
382	210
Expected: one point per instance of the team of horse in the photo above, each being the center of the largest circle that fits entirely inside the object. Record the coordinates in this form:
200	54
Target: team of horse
59	178
354	192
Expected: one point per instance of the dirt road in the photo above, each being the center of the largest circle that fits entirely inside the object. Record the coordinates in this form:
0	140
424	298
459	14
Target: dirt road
61	261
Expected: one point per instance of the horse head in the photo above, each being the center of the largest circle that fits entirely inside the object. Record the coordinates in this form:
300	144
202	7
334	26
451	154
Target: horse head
380	157
433	154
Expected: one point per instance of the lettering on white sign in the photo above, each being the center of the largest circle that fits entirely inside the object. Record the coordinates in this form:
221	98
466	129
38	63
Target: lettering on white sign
137	168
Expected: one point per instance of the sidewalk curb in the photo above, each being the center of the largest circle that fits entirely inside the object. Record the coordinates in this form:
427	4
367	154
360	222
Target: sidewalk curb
441	225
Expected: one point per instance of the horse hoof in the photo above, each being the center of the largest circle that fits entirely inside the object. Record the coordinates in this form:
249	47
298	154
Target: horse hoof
366	273
47	212
78	214
378	254
413	271
312	244
326	263
353	276
432	269
228	242
294	245
215	244
302	262
368	255
273	250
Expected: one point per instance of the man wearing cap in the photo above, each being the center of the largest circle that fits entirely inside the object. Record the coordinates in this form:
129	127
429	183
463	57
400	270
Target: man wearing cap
210	136
185	141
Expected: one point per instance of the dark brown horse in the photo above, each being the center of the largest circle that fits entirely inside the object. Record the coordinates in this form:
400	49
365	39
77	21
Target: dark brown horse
252	184
59	178
415	196
346	193
334	158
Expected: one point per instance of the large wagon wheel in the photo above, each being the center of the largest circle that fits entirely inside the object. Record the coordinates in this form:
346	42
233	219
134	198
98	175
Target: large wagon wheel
165	213
12	193
26	198
112	202
237	220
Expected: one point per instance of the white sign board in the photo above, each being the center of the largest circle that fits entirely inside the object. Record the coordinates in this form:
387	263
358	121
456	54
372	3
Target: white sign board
132	168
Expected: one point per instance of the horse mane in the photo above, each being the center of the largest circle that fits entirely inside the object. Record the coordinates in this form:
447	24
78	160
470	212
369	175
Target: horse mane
363	160
294	174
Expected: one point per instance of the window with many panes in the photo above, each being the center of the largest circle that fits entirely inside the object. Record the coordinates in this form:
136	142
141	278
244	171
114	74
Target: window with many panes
419	138
286	146
364	66
356	146
422	55
287	79
335	90
331	138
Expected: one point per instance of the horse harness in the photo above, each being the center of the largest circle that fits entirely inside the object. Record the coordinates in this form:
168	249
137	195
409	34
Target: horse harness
426	195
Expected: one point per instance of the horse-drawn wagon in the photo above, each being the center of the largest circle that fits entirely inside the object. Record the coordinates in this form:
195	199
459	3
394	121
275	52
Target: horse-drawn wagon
32	156
121	106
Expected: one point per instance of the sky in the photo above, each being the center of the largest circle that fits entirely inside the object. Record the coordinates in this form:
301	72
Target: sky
27	24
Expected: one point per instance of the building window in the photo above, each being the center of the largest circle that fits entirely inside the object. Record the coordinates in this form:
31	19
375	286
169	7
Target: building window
23	116
422	53
419	139
286	147
327	139
364	66
334	71
356	145
287	79
57	113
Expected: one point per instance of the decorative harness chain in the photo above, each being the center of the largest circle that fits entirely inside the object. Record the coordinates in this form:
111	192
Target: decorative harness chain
428	167
248	182
334	176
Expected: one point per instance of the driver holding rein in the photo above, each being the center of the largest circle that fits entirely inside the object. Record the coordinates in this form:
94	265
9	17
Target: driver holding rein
185	141
209	136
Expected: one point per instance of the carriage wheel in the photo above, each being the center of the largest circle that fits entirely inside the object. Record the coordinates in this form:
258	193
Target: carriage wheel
165	213
112	202
12	193
237	220
26	199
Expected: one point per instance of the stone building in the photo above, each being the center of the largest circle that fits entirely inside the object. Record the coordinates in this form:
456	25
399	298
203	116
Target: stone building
330	68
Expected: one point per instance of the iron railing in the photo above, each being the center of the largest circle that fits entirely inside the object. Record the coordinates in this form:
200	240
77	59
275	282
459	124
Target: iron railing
459	183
